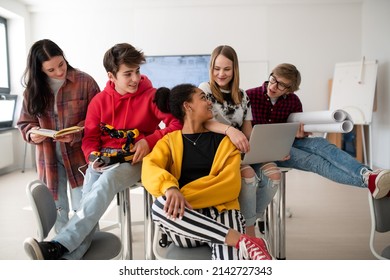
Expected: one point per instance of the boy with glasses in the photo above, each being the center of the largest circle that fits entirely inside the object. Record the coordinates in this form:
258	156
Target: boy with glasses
275	100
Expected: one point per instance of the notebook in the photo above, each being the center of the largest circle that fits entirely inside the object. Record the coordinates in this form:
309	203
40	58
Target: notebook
270	142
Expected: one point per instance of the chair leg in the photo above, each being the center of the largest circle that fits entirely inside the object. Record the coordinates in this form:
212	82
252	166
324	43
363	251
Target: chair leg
149	226
125	221
269	225
275	223
24	157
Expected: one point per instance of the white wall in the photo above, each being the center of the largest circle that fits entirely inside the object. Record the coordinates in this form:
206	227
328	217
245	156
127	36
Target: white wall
376	44
314	38
314	35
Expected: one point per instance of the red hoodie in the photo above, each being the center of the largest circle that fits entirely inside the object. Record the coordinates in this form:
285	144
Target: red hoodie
129	111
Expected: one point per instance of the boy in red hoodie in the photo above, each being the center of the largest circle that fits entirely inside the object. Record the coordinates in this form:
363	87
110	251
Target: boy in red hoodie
121	127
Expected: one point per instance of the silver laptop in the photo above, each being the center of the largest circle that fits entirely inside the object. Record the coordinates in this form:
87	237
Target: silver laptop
270	142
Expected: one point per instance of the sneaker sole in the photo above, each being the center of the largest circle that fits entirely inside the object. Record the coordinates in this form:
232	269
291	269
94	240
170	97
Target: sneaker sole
32	249
382	183
267	247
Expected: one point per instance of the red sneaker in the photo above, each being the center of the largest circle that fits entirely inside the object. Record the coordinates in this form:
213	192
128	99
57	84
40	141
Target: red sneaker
378	182
253	248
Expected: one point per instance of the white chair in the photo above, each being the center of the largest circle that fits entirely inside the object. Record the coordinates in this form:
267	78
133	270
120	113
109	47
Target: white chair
124	222
104	246
380	223
173	252
153	235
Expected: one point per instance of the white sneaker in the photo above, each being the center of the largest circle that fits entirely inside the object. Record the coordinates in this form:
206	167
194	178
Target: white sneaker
378	182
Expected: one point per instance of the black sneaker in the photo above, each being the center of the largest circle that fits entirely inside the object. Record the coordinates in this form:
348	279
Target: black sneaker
43	250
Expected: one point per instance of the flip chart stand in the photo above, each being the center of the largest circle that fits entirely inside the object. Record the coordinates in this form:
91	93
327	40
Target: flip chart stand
353	90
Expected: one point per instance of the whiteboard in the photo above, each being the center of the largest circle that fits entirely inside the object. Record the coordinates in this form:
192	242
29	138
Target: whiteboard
353	89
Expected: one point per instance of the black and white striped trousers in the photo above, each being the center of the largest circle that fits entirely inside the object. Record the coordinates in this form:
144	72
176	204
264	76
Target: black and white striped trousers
201	226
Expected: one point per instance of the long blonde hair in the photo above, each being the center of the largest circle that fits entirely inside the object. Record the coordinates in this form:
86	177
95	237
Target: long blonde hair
234	84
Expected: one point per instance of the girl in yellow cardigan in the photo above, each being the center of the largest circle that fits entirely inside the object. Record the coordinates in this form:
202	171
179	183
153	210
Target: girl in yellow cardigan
195	176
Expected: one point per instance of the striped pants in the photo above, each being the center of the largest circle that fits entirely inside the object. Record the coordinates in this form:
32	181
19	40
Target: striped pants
199	227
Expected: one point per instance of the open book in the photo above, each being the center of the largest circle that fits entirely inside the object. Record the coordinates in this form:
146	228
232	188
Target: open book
54	133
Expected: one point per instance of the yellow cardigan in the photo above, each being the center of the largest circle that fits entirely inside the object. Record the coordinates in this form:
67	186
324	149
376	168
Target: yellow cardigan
161	170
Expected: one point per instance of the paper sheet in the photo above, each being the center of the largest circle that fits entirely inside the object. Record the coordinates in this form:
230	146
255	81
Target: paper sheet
324	121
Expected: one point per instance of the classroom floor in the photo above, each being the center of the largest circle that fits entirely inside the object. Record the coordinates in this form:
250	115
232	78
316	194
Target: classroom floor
329	221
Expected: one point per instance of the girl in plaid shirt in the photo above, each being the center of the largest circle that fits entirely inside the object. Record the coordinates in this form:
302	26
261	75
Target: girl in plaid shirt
56	97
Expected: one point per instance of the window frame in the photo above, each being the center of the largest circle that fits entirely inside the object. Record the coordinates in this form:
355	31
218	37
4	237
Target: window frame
7	89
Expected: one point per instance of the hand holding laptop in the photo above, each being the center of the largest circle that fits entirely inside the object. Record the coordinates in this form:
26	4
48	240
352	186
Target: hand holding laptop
270	142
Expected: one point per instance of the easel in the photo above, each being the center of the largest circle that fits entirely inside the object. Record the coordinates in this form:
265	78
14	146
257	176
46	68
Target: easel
353	90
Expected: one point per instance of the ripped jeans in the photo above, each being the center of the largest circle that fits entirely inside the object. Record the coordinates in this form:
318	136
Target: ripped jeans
255	195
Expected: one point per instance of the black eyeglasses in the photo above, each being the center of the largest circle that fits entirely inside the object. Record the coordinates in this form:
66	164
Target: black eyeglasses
279	85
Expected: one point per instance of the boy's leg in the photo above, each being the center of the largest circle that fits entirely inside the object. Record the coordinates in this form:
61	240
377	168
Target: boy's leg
76	236
316	154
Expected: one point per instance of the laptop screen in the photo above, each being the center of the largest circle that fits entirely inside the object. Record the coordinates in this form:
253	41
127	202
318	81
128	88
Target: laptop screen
7	110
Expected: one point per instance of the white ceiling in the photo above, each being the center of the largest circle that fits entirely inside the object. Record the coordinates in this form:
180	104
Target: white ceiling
40	3
88	5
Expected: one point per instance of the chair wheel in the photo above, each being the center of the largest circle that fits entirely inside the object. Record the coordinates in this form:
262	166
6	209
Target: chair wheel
164	242
261	226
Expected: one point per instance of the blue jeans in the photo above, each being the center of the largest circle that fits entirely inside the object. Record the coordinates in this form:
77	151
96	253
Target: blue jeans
255	197
98	191
62	203
316	154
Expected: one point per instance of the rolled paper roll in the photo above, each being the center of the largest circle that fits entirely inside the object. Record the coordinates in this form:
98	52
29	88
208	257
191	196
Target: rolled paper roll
341	127
318	117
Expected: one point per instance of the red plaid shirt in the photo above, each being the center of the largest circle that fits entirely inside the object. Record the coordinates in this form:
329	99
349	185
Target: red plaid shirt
264	112
72	103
